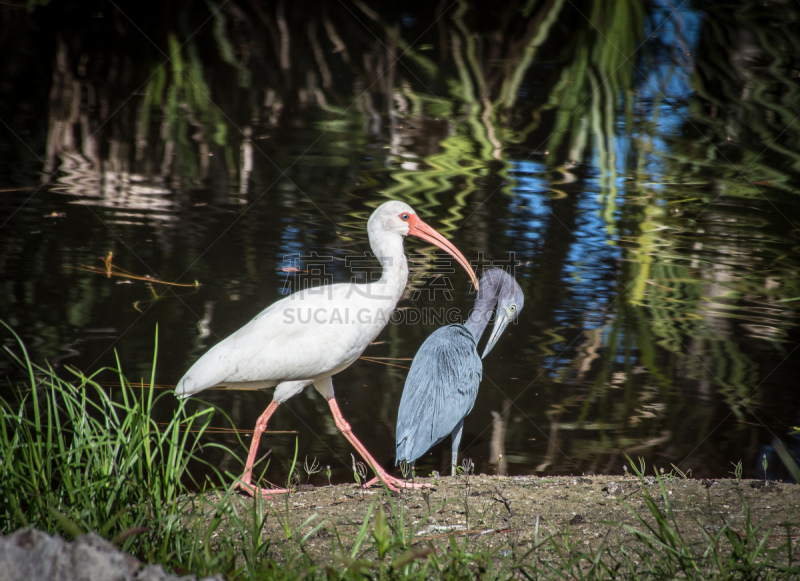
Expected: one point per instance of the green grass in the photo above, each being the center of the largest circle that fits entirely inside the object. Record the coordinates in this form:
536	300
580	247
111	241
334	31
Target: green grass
79	457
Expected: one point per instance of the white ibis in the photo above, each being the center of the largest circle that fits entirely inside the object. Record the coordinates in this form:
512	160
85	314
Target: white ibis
315	333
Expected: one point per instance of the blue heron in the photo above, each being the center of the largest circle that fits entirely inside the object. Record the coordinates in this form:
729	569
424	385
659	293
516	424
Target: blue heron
442	384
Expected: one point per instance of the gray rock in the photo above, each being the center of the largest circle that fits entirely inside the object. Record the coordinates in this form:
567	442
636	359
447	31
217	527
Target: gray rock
32	555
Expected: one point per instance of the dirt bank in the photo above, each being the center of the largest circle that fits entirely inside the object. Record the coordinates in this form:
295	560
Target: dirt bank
511	513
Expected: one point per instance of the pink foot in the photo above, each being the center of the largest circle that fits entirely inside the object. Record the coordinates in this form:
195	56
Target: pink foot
244	483
393	483
263	492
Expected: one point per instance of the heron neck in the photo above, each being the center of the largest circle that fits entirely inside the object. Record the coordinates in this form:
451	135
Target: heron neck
480	315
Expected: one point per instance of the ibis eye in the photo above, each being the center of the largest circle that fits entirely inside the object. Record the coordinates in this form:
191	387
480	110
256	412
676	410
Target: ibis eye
404	217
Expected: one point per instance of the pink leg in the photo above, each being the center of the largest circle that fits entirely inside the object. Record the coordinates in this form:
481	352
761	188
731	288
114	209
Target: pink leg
391	482
244	484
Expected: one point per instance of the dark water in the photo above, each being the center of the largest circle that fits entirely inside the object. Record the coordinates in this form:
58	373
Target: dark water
637	163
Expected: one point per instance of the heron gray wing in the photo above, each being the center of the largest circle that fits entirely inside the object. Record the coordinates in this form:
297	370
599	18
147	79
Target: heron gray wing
440	391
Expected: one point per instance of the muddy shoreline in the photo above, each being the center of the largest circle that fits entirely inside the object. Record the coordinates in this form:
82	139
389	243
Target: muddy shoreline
517	513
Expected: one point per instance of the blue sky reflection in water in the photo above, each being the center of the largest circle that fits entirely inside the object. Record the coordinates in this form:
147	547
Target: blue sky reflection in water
638	165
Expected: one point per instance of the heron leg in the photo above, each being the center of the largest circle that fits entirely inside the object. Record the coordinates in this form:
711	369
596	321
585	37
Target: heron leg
455	435
244	484
390	481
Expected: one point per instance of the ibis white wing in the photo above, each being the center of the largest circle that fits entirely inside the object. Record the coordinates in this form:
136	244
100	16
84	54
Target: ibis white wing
312	333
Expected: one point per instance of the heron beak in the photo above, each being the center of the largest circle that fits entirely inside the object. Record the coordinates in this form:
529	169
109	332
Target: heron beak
500	324
420	229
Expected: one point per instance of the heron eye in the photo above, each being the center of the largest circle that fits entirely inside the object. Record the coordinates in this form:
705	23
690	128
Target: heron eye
404	217
513	308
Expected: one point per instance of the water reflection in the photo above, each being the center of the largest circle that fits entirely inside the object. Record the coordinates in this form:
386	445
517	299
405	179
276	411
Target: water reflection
639	166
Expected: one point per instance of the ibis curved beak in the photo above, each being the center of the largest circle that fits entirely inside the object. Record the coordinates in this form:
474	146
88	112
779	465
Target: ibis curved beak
502	319
417	227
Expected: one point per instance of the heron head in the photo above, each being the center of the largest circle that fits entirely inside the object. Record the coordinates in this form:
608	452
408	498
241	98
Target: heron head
503	289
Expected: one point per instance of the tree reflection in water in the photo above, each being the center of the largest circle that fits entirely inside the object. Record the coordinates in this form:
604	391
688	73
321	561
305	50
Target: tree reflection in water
640	161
